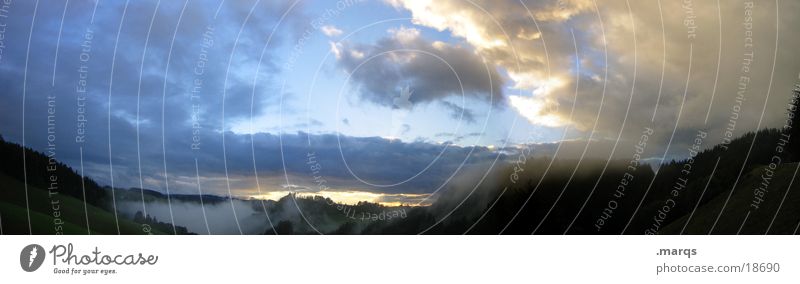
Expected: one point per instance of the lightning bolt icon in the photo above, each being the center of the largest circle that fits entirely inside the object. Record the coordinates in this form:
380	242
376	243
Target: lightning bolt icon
34	252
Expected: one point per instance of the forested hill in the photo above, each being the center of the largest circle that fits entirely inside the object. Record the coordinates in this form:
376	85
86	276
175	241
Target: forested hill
47	197
40	169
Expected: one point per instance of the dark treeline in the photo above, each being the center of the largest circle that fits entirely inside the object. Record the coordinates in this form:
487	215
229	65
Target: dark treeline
40	169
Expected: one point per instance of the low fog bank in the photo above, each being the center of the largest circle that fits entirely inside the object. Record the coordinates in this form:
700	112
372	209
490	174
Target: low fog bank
218	218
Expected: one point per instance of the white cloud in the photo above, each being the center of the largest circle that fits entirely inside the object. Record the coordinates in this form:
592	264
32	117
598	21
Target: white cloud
331	31
599	66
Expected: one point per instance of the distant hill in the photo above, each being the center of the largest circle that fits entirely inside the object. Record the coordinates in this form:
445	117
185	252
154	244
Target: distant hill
136	194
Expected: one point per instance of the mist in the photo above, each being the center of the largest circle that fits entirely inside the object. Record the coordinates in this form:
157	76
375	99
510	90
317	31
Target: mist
218	219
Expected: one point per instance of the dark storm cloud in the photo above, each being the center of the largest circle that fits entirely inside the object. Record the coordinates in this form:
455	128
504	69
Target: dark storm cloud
431	70
459	113
382	165
188	50
374	160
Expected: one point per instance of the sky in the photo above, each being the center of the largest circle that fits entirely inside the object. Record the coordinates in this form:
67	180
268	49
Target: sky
388	101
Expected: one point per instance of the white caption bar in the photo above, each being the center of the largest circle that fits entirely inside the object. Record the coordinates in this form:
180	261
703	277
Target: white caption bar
400	259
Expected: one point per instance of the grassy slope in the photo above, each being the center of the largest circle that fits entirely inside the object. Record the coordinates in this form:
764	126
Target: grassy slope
15	219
